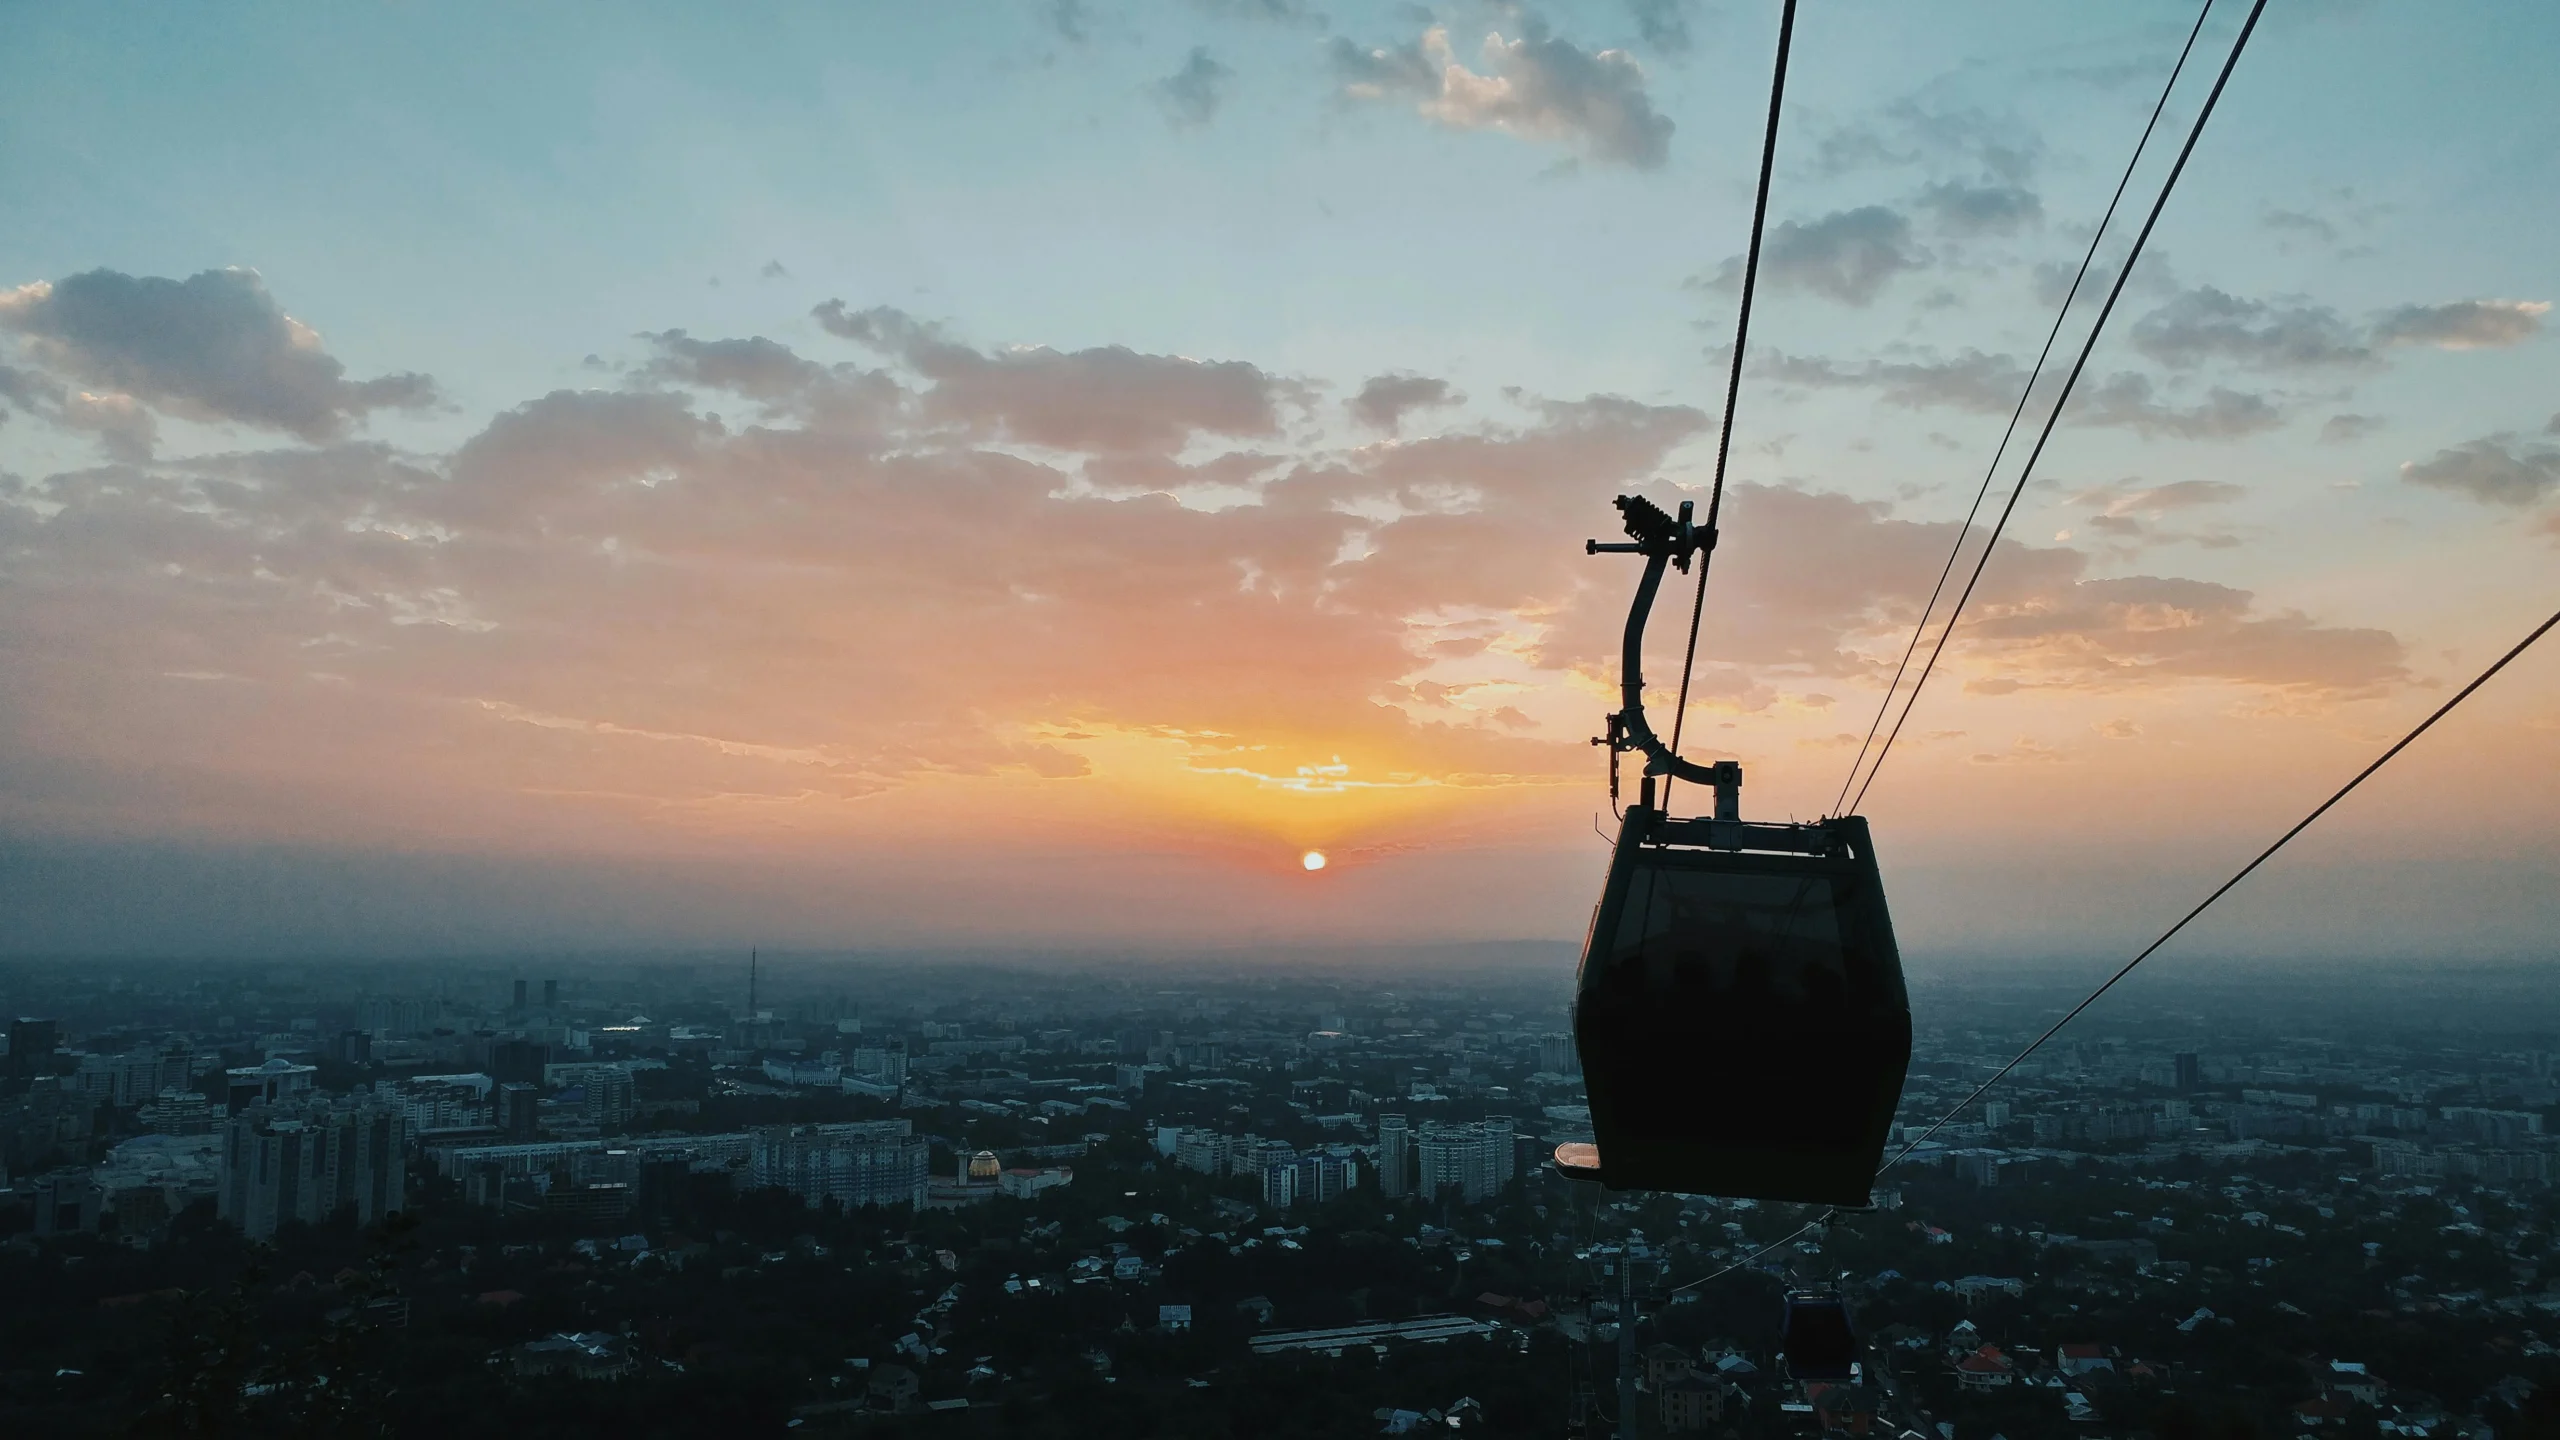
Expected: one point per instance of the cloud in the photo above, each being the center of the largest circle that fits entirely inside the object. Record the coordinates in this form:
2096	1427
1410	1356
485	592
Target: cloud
1982	209
1537	87
1970	380
1191	95
1387	399
1279	11
2133	512
755	367
1106	399
1664	24
2113	633
1847	255
2021	751
2344	428
2158	499
2128	401
119	421
2464	324
2205	324
2209	324
2299	223
28	390
1989	385
2494	471
213	347
1070	21
1908	133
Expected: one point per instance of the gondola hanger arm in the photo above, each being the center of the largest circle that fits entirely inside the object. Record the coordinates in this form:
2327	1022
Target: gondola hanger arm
1665	541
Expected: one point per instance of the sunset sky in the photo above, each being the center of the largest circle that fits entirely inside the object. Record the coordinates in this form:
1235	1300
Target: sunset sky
480	476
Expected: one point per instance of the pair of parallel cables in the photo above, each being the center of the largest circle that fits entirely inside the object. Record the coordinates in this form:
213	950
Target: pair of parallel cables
1845	804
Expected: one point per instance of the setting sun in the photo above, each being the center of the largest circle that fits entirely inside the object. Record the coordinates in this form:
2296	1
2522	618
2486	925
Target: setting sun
1313	859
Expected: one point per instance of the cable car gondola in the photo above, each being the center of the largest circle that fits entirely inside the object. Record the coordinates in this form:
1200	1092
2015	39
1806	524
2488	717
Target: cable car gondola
1816	1339
1740	1009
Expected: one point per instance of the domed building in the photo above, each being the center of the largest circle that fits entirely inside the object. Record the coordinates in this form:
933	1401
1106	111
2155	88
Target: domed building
973	1179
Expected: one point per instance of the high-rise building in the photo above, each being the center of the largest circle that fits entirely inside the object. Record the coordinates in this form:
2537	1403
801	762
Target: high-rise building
1395	1156
519	1109
518	1059
2190	1073
603	1089
1556	1055
881	1064
387	1018
519	1000
303	1160
1275	1163
134	1077
67	1202
1203	1150
871	1162
1326	1174
550	994
31	1045
1476	1158
178	1112
442	1102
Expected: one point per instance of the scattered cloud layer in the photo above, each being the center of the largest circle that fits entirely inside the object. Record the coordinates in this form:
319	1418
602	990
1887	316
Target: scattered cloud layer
1537	86
922	556
2205	325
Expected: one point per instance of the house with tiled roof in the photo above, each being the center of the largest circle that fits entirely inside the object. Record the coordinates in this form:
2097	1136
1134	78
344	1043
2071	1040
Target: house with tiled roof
1985	1369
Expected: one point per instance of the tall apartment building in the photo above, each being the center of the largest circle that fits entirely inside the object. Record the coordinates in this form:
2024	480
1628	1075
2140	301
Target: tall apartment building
303	1160
881	1064
32	1042
604	1087
1275	1163
1556	1055
441	1102
871	1162
1395	1156
1328	1173
1478	1159
1205	1151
